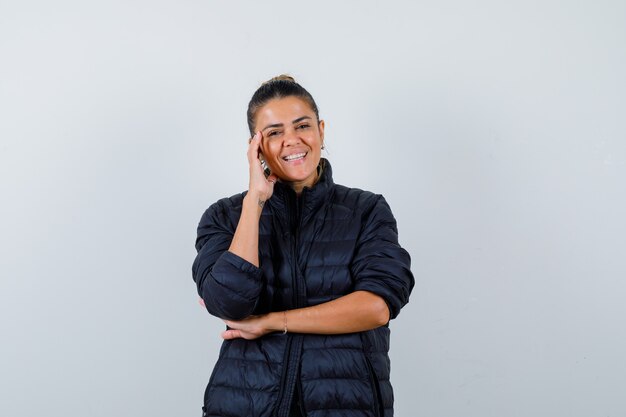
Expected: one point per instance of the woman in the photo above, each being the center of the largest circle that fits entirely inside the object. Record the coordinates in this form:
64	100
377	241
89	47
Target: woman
305	273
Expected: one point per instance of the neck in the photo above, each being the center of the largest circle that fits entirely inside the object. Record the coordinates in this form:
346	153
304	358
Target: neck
298	186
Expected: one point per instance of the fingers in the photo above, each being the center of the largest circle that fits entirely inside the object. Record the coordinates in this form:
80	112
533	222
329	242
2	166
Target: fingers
253	148
259	185
256	136
231	334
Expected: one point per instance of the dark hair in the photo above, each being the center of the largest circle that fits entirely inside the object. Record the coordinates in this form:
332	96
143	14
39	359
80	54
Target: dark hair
277	87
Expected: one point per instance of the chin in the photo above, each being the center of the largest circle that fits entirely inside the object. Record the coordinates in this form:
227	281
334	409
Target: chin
301	176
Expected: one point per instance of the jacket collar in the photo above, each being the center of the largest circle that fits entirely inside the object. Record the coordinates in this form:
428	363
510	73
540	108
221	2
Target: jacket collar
311	198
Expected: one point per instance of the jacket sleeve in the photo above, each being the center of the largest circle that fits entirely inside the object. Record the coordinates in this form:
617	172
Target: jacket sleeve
229	285
380	264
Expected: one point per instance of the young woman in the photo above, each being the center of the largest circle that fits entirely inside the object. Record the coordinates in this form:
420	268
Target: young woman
305	273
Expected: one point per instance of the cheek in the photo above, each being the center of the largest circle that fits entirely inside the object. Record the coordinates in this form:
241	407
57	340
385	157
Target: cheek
271	150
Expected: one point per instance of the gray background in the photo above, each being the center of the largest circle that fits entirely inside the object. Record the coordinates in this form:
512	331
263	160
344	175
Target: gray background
494	129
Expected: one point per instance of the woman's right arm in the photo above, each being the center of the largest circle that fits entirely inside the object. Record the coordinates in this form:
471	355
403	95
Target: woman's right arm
246	239
226	269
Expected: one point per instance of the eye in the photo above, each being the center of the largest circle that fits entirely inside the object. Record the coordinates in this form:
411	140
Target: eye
273	133
303	126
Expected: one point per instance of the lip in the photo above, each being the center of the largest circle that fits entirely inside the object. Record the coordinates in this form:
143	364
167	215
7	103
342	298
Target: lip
298	159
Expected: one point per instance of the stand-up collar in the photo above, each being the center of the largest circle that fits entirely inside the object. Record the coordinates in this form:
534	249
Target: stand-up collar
311	198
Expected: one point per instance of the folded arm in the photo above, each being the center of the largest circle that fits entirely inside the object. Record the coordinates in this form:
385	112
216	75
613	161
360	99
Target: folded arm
355	312
383	283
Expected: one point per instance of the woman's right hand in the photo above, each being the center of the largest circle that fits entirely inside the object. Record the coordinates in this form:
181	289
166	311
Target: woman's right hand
260	186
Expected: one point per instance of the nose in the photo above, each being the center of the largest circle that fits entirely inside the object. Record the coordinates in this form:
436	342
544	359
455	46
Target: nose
291	137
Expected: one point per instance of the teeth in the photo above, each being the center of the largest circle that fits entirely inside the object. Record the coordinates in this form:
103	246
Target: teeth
295	156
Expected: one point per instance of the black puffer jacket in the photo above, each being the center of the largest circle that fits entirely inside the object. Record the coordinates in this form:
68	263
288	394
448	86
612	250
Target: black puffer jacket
330	241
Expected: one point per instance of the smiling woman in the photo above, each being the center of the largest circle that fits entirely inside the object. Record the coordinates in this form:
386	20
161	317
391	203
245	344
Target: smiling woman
305	273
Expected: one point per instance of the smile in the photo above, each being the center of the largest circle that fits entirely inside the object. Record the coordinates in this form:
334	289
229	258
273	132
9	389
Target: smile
295	156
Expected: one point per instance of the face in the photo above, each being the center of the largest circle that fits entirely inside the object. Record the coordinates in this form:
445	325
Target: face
292	140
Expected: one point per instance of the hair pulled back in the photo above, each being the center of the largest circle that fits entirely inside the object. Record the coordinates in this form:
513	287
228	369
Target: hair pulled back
278	87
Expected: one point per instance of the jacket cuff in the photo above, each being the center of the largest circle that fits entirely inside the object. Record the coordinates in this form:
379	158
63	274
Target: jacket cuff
234	287
239	263
388	296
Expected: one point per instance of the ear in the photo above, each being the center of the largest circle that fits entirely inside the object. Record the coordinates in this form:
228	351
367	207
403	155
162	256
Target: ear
321	128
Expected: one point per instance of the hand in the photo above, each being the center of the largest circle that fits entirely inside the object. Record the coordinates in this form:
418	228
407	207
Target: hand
259	187
249	328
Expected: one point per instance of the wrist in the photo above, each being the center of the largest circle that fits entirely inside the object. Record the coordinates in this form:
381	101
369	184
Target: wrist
253	201
276	321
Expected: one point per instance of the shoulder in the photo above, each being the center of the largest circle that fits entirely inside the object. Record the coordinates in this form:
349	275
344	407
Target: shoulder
233	202
224	210
356	198
371	209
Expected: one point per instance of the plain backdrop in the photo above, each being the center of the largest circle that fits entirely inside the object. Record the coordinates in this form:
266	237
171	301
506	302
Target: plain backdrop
495	129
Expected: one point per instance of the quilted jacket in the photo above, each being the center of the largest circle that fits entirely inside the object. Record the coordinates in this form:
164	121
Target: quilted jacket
328	242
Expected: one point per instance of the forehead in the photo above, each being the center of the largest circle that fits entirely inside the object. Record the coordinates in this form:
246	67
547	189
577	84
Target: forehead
283	110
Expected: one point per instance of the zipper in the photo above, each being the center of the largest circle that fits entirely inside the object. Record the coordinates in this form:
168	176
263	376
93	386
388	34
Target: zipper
300	291
300	285
294	342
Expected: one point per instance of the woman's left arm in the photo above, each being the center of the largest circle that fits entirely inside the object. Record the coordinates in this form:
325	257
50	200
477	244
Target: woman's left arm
355	312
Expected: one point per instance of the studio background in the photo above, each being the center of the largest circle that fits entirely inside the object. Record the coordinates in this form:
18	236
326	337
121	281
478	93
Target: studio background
494	129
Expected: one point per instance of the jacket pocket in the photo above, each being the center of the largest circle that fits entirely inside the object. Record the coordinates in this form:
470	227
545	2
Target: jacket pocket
208	387
216	368
218	365
378	404
300	397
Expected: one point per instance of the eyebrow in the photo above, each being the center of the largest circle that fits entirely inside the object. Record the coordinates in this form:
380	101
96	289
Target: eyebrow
299	119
